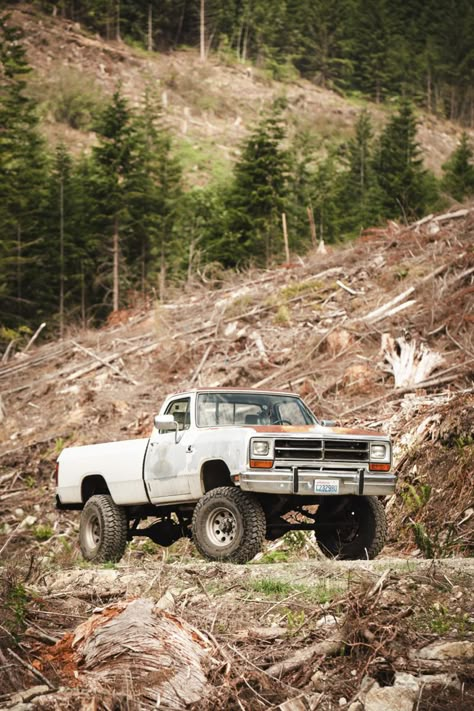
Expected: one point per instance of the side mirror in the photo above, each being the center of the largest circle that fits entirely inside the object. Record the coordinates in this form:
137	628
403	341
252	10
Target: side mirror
328	423
165	422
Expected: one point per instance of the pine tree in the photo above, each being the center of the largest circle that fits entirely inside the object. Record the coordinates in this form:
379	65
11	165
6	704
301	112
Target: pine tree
406	187
458	171
113	160
258	195
23	165
359	194
324	198
154	186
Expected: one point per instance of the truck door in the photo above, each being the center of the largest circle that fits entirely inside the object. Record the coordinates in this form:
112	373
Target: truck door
166	474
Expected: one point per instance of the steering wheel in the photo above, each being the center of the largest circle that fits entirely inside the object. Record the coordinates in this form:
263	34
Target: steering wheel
282	422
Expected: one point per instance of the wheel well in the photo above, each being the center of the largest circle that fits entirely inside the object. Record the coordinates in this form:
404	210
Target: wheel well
92	485
215	473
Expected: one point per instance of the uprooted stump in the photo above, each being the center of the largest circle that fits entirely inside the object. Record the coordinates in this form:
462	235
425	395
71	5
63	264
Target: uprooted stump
410	363
148	654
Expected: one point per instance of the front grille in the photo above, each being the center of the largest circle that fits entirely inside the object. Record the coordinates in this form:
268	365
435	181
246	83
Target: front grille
322	450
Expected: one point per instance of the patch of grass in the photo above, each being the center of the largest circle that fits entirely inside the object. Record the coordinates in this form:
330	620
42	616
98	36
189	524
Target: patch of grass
294	620
274	557
272	587
147	546
402	273
289	292
43	532
439	620
464	441
239	306
282	316
296	540
59	445
203	157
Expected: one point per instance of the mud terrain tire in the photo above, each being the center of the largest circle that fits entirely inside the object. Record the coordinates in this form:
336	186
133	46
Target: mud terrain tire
103	530
362	537
228	525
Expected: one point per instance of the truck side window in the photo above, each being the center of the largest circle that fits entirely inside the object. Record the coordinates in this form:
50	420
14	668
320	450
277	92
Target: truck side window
181	413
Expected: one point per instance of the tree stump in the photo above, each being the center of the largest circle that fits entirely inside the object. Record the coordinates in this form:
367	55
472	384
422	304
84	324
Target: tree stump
148	654
411	364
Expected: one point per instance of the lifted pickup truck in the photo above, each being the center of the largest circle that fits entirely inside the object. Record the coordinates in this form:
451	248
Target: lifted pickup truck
230	468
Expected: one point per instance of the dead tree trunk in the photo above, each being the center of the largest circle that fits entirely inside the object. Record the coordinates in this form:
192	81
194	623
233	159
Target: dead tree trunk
202	31
149	44
115	250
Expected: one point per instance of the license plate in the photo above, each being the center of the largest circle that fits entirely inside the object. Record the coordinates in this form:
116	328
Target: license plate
326	486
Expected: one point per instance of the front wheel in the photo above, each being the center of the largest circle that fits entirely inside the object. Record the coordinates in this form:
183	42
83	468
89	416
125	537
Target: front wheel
359	530
228	525
103	530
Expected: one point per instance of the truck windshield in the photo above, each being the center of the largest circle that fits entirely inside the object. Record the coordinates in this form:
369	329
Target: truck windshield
251	408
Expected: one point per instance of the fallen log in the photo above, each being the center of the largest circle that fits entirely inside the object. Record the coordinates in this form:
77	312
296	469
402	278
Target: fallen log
113	368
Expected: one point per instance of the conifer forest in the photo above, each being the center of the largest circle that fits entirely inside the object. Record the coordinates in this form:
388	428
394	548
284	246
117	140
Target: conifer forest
84	235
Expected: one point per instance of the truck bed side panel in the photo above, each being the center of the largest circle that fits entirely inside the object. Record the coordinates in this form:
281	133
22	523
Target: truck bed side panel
119	463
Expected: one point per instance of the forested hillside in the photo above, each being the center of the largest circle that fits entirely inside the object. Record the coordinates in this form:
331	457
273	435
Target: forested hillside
89	231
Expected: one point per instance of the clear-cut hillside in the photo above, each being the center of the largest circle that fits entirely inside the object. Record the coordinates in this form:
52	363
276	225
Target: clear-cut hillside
209	106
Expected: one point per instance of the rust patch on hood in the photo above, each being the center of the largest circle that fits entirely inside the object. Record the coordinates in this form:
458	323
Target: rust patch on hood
315	429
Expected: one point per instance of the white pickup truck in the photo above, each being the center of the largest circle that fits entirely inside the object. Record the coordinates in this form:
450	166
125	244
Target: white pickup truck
229	468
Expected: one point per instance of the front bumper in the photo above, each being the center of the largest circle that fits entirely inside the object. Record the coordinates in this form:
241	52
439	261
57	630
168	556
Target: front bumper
302	481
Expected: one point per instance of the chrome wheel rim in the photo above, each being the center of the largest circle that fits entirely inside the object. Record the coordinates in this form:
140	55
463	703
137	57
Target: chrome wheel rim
221	527
93	532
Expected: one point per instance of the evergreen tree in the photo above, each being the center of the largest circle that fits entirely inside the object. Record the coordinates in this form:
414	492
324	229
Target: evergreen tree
406	187
458	171
66	239
359	194
319	40
258	195
154	187
372	35
113	159
324	198
23	166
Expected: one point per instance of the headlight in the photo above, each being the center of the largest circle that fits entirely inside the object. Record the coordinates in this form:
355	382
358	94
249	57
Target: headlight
378	451
260	448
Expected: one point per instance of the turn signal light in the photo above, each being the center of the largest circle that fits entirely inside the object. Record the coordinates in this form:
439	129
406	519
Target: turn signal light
379	467
261	463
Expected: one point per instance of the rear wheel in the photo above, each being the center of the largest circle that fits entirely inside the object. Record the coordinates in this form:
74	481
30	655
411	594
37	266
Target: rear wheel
228	525
103	530
359	531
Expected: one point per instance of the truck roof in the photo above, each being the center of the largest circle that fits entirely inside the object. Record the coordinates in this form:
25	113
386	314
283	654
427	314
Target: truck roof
233	390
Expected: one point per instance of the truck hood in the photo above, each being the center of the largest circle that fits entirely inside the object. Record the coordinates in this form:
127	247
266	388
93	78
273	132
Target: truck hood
314	430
